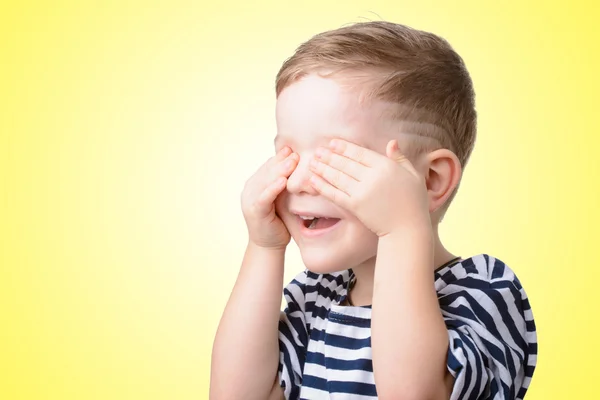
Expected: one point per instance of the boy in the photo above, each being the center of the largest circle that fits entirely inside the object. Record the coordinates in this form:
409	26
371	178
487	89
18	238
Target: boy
375	122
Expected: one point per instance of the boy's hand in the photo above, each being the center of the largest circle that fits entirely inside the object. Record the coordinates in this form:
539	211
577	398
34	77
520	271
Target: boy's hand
265	228
385	193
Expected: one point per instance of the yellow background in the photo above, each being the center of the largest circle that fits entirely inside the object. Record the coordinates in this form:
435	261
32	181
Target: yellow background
127	132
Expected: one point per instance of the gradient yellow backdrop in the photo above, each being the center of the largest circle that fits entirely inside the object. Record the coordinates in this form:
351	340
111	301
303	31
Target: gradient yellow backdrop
127	130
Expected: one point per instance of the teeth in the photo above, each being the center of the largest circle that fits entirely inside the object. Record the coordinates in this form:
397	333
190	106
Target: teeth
307	218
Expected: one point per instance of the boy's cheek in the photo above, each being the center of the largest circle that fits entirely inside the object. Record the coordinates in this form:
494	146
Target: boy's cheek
281	209
279	203
287	218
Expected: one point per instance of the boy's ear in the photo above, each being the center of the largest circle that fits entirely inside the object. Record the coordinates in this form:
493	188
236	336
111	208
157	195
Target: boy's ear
441	177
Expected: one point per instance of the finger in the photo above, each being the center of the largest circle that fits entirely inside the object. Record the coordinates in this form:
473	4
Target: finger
334	176
282	154
354	152
330	192
348	166
267	197
288	164
284	167
393	152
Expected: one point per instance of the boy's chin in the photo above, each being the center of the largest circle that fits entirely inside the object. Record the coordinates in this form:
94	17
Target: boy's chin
322	261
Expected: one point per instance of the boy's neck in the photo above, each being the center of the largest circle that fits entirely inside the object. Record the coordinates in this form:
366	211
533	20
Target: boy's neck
362	292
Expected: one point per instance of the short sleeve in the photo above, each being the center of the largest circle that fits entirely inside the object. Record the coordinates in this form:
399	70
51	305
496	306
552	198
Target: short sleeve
293	337
492	339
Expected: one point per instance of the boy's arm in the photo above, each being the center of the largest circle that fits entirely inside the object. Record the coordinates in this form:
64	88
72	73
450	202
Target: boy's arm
409	337
485	342
276	391
246	351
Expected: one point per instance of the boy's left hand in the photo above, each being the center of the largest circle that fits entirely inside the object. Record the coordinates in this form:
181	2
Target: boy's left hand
384	193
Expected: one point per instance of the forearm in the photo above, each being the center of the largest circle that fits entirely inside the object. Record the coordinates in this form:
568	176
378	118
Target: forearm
409	337
245	352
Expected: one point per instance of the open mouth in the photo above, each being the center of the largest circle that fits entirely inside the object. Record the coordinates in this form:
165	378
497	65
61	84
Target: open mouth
316	223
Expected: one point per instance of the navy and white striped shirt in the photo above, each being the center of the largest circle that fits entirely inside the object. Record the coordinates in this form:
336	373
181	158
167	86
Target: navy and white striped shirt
325	348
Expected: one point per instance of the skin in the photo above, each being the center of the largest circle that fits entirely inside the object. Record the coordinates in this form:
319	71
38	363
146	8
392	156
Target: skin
346	162
253	307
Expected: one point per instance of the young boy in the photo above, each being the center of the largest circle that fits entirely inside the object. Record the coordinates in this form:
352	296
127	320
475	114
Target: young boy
375	122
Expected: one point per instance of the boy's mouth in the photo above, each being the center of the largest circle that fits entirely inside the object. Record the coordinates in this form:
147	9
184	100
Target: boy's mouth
314	224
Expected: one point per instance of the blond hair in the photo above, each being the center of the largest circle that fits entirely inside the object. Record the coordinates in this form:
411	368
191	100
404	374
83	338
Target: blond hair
418	72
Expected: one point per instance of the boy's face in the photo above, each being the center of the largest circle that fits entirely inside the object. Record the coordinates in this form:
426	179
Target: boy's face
309	113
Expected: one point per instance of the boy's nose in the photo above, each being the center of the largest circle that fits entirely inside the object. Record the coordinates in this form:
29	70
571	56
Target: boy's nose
298	181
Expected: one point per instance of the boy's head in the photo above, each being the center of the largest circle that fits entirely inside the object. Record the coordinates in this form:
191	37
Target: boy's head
370	83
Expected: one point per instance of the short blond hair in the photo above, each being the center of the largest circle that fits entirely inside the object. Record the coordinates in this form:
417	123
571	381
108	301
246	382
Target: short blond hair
418	72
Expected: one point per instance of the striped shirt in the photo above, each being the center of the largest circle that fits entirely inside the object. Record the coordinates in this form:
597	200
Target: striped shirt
325	348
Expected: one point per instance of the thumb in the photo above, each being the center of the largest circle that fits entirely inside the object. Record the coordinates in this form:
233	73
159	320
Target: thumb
393	152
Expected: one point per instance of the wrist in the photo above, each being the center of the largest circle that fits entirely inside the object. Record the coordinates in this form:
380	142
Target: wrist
269	250
406	250
421	231
265	261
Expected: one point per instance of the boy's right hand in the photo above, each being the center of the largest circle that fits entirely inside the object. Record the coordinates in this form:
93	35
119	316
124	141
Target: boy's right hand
265	228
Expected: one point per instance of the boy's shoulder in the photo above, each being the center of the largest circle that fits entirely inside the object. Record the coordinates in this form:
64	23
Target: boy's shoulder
481	269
